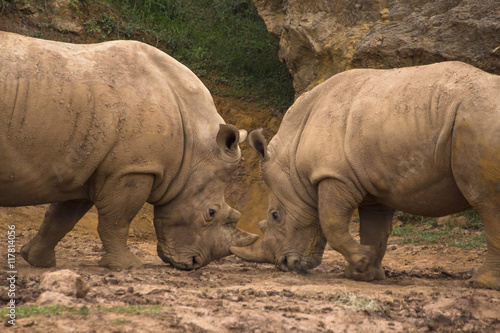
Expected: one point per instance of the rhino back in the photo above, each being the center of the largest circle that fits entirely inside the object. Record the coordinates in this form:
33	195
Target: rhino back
69	112
389	132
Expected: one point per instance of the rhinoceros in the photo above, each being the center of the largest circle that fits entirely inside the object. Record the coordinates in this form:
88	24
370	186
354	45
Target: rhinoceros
115	125
424	140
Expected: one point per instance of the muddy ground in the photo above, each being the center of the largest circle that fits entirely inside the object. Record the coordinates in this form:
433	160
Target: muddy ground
426	290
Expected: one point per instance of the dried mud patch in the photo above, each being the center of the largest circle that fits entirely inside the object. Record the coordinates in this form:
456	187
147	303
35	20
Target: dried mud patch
426	290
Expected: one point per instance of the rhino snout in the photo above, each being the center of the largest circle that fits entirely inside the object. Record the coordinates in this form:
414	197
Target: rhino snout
289	263
184	263
293	263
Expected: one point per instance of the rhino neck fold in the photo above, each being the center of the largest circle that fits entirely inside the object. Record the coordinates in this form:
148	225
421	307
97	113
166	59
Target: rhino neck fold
304	190
179	181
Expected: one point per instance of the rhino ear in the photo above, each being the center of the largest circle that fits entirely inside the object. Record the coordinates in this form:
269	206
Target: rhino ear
229	137
258	142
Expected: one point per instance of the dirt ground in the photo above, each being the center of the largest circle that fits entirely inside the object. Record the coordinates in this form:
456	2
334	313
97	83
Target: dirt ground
425	290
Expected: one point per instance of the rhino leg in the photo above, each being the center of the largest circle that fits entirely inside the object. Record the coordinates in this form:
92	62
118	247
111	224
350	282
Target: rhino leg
336	204
476	168
488	275
59	219
117	203
375	228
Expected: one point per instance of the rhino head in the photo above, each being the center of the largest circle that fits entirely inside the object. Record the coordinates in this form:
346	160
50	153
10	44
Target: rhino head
293	239
197	226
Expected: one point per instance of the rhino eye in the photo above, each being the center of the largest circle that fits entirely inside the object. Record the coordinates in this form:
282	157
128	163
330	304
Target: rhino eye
211	213
275	216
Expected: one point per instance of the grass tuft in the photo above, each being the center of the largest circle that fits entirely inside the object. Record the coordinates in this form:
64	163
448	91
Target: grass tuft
36	310
351	301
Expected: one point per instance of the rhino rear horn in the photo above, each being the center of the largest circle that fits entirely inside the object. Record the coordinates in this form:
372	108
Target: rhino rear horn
229	137
258	142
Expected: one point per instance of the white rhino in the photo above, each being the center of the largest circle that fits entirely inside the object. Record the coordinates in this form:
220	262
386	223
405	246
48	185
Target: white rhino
115	125
424	140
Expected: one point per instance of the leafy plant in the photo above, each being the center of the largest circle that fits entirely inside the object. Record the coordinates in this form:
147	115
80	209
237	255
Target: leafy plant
102	26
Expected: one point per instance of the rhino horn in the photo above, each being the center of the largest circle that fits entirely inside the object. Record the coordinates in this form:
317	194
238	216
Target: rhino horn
255	252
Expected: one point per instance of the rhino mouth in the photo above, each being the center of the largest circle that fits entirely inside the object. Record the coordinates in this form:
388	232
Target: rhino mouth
187	263
293	263
194	262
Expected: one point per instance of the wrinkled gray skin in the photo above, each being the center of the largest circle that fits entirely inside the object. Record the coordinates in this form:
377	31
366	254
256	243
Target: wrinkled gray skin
424	140
115	125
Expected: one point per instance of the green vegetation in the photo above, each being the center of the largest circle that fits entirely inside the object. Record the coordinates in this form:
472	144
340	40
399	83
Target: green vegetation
3	5
24	311
143	309
225	41
36	310
120	321
421	230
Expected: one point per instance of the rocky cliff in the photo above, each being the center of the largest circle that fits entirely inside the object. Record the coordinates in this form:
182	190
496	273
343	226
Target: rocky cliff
319	38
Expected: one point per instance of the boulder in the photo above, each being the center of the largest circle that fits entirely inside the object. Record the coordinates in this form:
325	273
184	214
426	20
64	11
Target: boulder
321	38
65	282
49	298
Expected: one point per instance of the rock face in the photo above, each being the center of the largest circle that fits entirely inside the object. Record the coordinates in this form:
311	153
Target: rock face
321	38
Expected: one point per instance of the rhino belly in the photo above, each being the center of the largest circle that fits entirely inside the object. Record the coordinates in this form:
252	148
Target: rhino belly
429	197
36	175
18	188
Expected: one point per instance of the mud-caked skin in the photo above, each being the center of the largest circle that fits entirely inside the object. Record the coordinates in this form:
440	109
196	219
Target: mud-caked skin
424	140
115	125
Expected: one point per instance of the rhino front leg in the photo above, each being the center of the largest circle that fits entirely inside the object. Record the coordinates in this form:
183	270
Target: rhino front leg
336	203
375	228
59	219
119	200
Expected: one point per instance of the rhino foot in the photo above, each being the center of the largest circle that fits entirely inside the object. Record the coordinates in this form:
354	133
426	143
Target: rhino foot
36	254
373	273
363	265
488	280
124	260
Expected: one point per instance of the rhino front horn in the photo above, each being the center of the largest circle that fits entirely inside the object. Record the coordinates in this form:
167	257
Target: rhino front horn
255	252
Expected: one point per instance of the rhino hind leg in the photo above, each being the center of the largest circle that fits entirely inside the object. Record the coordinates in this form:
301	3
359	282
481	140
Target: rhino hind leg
117	203
483	193
476	169
375	228
488	275
59	219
